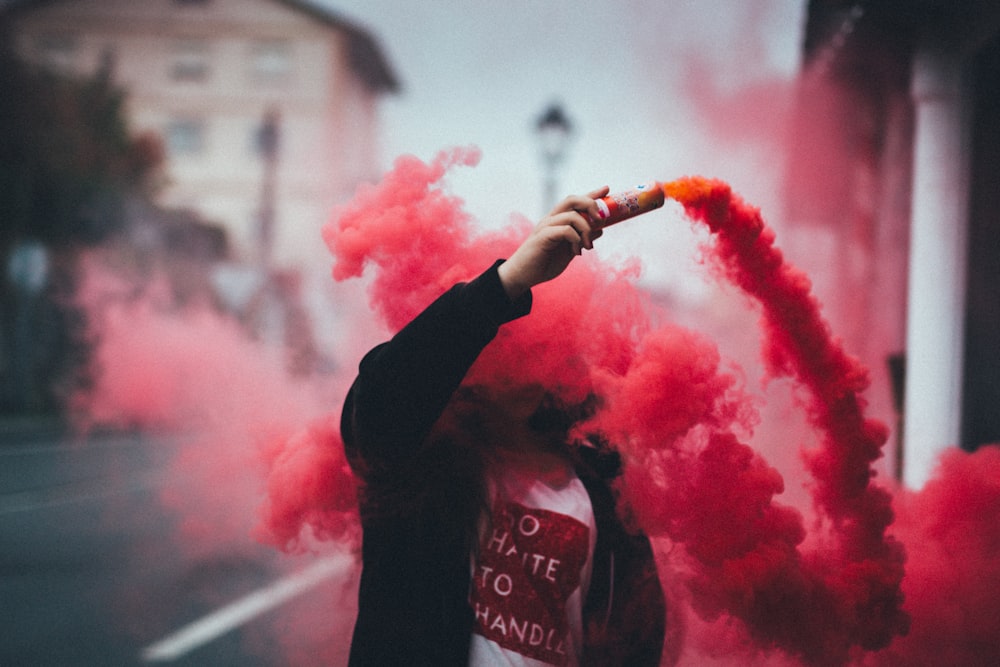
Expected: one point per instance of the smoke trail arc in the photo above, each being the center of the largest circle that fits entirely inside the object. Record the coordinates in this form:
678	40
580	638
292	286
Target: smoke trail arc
674	414
849	593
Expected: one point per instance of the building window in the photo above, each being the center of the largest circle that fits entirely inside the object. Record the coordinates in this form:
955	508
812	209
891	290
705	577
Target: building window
272	60
58	51
186	136
190	60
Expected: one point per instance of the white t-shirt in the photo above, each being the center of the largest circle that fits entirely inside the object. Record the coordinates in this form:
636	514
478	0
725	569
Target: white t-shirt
532	573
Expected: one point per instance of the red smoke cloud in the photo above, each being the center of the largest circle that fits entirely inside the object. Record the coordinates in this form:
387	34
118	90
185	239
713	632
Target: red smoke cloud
674	412
187	371
952	539
821	603
744	572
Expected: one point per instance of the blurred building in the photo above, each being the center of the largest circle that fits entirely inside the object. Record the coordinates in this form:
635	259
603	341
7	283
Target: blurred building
267	108
896	174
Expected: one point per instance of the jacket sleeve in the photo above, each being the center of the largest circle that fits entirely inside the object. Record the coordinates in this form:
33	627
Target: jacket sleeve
403	385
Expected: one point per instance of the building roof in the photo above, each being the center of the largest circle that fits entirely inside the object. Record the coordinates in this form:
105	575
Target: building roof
364	55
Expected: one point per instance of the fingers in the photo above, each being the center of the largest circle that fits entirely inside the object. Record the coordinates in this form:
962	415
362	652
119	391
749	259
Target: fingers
578	212
565	233
600	192
581	225
583	203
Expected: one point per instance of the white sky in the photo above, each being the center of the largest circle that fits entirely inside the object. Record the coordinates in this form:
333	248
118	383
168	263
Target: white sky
480	73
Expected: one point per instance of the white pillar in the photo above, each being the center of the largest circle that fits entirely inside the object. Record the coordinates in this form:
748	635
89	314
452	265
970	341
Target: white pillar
936	300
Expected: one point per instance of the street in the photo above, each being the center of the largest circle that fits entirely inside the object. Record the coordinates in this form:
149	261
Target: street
92	571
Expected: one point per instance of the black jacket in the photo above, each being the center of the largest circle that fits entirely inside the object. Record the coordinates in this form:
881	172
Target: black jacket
413	604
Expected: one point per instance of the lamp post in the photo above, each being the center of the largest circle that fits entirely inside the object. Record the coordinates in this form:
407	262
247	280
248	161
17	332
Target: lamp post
554	131
268	144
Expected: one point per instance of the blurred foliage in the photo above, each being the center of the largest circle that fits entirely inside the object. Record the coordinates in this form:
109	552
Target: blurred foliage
67	160
69	172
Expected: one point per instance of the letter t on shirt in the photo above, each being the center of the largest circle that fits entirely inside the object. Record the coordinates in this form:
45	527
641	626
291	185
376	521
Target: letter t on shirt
532	574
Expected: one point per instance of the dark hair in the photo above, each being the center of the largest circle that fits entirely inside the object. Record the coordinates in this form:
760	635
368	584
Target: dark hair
451	471
557	417
477	415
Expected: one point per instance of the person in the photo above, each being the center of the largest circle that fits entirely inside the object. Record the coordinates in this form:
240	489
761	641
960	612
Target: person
487	537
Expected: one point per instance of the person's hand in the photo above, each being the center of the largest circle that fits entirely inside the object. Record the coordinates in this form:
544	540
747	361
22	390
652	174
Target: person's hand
559	237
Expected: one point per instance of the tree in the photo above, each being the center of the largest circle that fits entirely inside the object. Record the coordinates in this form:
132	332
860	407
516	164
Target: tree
67	160
68	167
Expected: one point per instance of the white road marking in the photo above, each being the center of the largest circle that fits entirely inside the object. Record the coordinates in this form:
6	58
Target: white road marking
235	614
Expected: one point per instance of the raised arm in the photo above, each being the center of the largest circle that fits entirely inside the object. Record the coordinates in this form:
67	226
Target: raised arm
404	384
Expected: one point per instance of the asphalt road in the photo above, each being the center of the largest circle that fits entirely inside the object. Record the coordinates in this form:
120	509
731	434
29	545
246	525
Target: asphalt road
91	571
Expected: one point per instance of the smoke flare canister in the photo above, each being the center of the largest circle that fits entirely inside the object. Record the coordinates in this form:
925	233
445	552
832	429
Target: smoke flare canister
630	203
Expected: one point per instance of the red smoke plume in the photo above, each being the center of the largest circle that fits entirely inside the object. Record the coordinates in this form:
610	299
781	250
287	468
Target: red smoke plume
743	571
847	592
673	410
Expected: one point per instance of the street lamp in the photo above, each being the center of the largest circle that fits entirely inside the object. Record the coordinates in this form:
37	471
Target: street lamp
268	145
554	131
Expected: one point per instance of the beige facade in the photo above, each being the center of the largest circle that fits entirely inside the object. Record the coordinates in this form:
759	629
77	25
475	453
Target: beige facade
203	74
